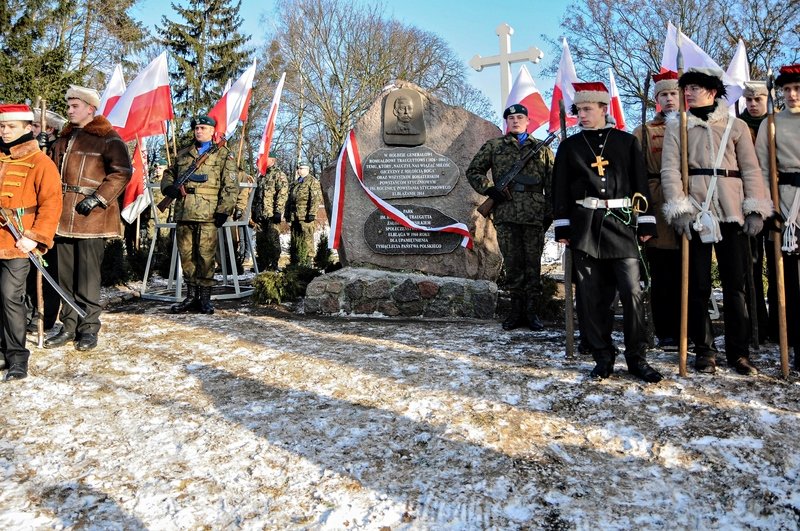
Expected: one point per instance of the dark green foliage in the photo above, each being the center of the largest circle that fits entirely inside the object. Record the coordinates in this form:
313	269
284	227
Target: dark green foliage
268	251
275	287
115	268
550	307
322	260
298	252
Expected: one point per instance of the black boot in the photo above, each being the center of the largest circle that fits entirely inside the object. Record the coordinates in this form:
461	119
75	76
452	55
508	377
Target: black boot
604	364
205	300
61	338
534	322
190	304
706	362
743	366
638	367
17	367
516	318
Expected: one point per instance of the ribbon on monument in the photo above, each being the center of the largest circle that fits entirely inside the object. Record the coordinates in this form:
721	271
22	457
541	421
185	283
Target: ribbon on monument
350	154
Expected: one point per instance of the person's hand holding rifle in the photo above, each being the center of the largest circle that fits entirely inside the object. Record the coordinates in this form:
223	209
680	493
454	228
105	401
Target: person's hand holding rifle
176	190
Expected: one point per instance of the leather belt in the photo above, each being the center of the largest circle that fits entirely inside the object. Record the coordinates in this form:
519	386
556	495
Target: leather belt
519	187
710	171
792	179
594	203
84	190
654	176
189	190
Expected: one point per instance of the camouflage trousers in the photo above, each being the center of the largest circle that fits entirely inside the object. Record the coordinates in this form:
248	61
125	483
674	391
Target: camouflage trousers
302	246
197	246
521	246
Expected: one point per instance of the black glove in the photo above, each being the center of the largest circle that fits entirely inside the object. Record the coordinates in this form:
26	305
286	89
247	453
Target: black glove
310	218
172	191
87	205
683	225
773	223
42	139
276	218
237	214
753	224
220	219
496	194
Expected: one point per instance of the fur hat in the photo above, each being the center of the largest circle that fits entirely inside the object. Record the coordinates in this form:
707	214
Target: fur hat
595	92
665	81
707	77
90	96
788	74
753	89
517	108
13	112
54	120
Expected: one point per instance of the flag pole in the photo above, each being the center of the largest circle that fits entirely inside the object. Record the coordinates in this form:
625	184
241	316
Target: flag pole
684	157
241	143
166	142
39	286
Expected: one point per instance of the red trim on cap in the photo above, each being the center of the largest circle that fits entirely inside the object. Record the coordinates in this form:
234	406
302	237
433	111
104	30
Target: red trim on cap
790	69
595	86
669	74
14	107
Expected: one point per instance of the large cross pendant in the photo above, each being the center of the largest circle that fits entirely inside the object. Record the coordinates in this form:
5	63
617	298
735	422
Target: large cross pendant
600	164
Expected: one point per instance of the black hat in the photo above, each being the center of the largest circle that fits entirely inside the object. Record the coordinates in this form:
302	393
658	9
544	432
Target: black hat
517	108
203	119
708	78
788	74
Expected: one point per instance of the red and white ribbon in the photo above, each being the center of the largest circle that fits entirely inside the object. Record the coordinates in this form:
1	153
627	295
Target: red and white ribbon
349	154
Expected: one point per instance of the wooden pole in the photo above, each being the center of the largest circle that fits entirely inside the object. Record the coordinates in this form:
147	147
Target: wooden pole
777	236
569	317
241	144
683	345
39	287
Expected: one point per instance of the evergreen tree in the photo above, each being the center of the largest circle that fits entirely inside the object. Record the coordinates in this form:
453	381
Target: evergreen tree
209	50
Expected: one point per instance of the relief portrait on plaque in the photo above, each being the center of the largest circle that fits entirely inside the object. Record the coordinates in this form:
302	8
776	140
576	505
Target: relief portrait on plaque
403	120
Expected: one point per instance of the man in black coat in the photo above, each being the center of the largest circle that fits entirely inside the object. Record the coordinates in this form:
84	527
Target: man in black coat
600	206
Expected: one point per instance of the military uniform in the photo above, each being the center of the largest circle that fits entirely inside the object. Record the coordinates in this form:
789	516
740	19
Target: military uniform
269	205
305	198
210	198
521	222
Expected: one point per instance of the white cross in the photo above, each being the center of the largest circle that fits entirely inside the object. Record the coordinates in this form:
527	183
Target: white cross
505	58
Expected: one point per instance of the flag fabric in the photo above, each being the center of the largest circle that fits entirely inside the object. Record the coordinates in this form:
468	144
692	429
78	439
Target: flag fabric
615	108
738	72
350	154
232	107
146	104
693	55
563	89
524	92
269	128
135	199
113	91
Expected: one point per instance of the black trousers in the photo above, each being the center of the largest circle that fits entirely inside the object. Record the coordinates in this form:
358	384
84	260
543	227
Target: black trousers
51	298
665	291
599	281
732	262
13	316
79	262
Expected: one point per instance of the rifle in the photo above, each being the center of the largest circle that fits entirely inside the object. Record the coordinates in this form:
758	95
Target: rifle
501	184
15	232
184	177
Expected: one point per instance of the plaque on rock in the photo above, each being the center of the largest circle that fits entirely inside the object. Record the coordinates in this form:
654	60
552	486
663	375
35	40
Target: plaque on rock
385	236
403	120
392	173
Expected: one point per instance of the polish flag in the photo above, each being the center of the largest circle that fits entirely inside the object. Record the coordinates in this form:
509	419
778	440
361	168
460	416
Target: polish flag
146	105
525	92
563	89
134	199
113	91
232	107
693	55
615	109
739	72
269	129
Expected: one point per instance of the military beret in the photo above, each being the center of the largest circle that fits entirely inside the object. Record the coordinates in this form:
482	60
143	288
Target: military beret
303	163
161	162
204	119
517	108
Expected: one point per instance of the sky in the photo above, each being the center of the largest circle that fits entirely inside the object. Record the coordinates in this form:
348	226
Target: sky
467	25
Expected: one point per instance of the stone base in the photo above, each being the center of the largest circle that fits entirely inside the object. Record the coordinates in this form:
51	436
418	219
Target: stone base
354	291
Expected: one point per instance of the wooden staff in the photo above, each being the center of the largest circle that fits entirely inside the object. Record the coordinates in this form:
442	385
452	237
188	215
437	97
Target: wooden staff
683	344
777	236
647	296
569	317
39	288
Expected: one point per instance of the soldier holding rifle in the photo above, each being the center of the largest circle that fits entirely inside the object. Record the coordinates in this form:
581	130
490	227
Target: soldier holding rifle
522	211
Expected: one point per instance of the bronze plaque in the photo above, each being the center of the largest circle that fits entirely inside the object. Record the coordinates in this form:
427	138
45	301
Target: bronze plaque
409	172
385	236
403	120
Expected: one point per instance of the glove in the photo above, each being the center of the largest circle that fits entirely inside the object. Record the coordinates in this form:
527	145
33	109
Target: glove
237	214
42	139
172	191
220	219
276	218
773	223
753	224
496	194
310	218
683	225
87	205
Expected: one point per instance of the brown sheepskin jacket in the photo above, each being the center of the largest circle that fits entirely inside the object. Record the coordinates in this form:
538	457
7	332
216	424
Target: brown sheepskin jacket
92	160
30	190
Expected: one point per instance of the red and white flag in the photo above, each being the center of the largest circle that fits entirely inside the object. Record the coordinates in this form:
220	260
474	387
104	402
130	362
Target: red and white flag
693	55
113	91
563	89
269	129
146	105
615	109
739	73
135	199
232	107
524	92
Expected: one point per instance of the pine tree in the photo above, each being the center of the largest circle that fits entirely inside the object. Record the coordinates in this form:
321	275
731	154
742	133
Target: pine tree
208	48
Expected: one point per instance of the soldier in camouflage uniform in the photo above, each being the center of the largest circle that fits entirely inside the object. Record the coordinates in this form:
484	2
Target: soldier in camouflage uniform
305	197
210	199
269	205
521	221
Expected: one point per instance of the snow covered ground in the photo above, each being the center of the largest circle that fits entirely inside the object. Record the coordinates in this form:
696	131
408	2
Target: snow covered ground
258	418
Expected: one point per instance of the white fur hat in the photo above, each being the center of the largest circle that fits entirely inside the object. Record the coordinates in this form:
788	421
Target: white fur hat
88	95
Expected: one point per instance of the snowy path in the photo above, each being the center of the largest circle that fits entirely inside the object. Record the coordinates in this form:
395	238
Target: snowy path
257	420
